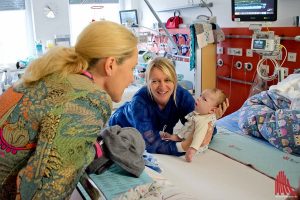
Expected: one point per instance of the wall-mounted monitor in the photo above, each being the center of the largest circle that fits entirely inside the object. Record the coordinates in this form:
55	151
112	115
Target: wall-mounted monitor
254	10
129	17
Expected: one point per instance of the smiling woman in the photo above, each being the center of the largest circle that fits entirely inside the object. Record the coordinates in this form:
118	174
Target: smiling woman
157	106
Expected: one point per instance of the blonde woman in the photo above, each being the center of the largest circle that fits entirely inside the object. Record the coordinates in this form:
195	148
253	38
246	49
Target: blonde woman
50	119
158	107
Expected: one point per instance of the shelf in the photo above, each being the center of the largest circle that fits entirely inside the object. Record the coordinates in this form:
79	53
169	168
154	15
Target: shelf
186	6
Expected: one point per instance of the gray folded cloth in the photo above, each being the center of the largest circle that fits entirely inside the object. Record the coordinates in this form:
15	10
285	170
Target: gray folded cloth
99	165
124	146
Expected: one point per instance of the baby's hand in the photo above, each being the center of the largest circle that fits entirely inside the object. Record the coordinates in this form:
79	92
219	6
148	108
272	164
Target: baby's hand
190	154
164	135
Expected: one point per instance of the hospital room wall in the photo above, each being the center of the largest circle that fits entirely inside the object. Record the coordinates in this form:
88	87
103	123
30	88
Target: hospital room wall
238	92
236	82
287	9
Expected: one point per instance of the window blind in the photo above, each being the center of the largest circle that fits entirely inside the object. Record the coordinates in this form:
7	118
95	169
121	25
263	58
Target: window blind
92	1
12	5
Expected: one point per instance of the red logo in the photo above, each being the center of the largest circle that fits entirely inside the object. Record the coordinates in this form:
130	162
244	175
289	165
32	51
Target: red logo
283	187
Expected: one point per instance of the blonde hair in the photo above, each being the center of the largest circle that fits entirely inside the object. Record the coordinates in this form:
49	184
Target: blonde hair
167	67
221	97
98	40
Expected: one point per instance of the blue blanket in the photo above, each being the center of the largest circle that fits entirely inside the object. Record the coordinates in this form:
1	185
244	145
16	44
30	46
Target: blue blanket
268	116
253	151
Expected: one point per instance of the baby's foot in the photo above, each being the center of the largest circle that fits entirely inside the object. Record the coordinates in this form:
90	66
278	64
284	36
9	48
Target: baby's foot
190	154
188	157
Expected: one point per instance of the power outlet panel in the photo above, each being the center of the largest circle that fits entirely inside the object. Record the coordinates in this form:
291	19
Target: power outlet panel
238	64
220	62
286	71
291	57
235	51
248	66
219	50
264	69
249	53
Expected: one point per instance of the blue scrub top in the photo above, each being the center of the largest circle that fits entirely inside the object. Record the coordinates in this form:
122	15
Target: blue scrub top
143	113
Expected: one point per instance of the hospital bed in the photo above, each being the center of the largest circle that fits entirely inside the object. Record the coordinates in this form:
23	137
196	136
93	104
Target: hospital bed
234	167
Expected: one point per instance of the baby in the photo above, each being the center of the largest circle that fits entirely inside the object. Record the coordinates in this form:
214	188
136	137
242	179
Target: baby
197	121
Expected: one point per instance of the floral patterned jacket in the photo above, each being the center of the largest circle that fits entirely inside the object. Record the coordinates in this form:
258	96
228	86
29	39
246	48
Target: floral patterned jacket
47	140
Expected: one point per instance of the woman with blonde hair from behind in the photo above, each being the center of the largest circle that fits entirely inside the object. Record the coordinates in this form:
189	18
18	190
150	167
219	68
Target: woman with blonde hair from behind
51	117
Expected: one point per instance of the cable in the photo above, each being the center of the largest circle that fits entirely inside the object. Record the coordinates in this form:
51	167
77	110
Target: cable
211	14
230	82
163	26
259	68
267	26
254	74
282	46
277	66
245	79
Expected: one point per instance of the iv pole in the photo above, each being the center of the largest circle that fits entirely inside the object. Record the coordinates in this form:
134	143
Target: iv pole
163	26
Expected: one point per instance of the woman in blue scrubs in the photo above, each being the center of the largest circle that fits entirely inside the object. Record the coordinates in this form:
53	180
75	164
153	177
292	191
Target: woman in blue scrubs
158	106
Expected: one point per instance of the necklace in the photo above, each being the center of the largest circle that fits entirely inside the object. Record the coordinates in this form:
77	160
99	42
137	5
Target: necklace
87	74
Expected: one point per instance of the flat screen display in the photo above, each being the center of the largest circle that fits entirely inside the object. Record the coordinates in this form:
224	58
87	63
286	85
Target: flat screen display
254	10
259	44
129	17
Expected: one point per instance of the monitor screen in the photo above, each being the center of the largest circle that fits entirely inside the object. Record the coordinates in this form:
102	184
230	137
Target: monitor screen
129	17
254	10
259	44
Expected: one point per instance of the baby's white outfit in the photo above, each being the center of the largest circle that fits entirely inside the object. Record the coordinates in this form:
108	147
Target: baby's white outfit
196	124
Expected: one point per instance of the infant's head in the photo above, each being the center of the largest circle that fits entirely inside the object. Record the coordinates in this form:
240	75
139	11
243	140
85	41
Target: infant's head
209	100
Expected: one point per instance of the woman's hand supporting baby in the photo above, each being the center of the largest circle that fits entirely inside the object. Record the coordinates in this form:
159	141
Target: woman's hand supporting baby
221	109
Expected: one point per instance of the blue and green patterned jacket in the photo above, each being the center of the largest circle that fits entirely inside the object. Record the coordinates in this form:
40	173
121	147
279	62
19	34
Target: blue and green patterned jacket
47	140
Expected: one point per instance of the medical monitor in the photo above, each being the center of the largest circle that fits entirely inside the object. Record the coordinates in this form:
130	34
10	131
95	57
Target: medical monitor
129	17
254	10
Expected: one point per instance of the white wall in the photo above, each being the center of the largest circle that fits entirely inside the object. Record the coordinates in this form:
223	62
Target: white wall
129	4
13	36
82	15
45	28
221	9
287	9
